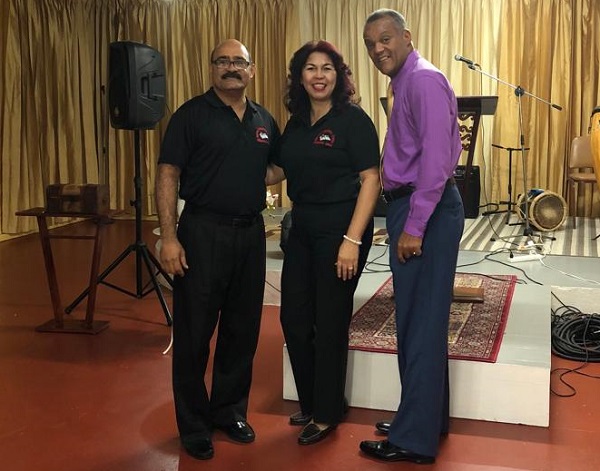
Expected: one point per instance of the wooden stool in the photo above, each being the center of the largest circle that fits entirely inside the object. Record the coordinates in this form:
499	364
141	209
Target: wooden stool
59	323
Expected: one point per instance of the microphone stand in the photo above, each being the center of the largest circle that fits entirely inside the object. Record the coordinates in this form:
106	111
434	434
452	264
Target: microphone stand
519	92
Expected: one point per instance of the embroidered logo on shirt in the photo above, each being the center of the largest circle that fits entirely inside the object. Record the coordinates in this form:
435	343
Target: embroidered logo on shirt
262	135
325	138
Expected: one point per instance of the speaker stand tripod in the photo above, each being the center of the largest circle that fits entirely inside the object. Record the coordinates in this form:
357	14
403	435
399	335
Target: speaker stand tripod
141	251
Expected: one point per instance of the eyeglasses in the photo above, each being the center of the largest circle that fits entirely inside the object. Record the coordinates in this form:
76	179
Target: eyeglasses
239	64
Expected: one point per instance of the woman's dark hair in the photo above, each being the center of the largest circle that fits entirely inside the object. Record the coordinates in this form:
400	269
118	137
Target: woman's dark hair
296	98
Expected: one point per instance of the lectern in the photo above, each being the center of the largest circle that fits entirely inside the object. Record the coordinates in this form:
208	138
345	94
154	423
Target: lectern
470	110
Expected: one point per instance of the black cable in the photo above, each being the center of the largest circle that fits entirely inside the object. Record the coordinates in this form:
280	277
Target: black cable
479	261
497	237
367	270
576	336
272	286
488	257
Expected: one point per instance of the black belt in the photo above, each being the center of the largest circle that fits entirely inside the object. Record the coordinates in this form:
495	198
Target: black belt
405	190
223	219
397	193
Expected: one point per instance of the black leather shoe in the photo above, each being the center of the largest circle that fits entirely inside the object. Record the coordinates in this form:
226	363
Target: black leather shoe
386	451
239	431
300	419
312	434
383	427
201	450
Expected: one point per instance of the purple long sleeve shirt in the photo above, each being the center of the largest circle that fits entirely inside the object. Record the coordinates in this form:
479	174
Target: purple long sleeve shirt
422	145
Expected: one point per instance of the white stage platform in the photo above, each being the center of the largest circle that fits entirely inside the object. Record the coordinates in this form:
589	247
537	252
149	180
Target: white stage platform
515	389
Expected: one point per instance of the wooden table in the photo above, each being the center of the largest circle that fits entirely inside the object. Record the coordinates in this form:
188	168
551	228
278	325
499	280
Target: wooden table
59	323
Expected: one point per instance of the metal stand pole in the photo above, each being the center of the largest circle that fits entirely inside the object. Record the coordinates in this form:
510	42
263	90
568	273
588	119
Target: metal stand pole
140	249
519	92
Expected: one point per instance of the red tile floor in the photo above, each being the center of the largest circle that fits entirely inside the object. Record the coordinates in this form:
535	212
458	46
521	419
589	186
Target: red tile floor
76	402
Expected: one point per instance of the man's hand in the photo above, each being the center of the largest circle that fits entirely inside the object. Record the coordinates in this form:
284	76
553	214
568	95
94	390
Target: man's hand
408	246
172	257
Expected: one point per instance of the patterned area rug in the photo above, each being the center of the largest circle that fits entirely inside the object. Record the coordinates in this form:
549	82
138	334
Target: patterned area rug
475	331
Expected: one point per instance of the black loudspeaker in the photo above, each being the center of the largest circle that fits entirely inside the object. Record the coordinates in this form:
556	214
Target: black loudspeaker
136	87
471	203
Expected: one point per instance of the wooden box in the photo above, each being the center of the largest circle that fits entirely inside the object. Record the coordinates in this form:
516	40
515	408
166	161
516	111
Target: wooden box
77	199
466	294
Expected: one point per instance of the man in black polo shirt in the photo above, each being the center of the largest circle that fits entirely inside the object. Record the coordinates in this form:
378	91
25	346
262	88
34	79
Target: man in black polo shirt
216	151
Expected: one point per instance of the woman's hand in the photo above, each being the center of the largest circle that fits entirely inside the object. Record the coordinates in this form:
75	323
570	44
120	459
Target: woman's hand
347	261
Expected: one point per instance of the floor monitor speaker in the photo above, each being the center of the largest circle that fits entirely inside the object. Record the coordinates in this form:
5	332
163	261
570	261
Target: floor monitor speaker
471	203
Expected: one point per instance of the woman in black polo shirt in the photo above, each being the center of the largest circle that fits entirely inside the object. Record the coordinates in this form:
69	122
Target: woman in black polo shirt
329	152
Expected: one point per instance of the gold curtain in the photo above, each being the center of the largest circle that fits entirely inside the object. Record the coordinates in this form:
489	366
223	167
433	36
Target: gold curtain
54	124
439	29
46	113
536	52
54	119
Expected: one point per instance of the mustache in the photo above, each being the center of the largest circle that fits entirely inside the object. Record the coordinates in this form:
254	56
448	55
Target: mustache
231	74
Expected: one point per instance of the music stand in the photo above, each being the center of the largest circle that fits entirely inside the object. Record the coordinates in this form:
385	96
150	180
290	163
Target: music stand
519	92
141	251
509	203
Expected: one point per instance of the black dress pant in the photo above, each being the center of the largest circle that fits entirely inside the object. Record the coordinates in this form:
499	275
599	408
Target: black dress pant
317	306
224	284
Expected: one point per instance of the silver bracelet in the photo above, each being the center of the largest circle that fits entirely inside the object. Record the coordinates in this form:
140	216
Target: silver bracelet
357	242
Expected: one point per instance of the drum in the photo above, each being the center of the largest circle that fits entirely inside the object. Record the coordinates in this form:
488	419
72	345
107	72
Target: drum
547	210
595	141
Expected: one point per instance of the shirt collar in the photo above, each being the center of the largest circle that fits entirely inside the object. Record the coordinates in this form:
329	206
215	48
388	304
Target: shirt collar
214	100
304	116
408	65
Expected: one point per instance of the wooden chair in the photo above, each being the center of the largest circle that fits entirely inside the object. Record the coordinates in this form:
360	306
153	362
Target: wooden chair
581	170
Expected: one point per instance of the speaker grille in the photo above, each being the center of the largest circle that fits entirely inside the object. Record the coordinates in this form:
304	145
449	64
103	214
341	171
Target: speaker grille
136	89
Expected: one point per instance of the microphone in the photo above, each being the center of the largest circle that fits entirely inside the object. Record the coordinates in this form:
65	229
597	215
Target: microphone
469	62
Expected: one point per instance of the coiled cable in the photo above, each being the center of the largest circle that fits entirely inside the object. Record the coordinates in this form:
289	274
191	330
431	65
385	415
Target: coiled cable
576	336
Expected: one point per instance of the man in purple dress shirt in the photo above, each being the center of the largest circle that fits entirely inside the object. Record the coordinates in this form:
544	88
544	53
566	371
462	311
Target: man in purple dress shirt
425	221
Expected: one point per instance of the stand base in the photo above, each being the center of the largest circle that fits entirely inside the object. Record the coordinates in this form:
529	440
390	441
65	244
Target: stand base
497	211
73	326
509	208
142	254
530	235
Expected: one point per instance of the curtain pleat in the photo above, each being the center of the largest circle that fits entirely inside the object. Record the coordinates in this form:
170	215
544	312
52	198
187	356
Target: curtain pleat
54	116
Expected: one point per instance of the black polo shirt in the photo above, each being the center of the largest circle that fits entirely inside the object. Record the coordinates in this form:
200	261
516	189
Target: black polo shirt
223	161
322	162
